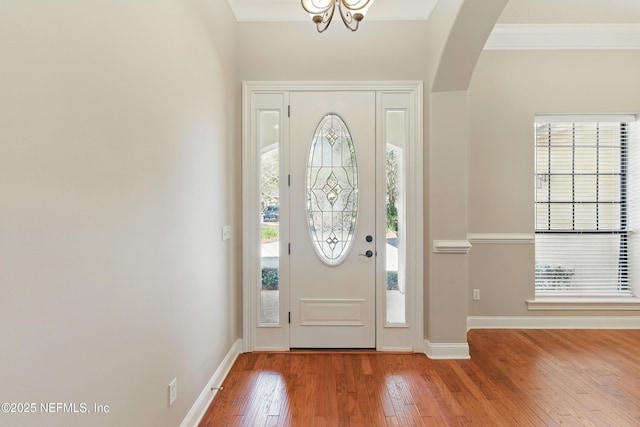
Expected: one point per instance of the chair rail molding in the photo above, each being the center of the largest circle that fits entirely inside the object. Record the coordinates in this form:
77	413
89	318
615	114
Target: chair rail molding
501	238
451	246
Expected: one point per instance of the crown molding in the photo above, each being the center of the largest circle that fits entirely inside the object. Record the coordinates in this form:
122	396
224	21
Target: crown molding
291	10
564	36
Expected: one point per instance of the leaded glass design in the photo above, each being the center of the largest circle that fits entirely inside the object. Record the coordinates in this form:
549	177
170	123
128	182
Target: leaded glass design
332	189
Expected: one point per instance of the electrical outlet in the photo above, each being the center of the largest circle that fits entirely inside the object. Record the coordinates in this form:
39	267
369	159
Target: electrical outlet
226	232
476	294
173	391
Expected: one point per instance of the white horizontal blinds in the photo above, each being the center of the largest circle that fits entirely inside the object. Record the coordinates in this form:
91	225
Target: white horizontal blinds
581	207
633	205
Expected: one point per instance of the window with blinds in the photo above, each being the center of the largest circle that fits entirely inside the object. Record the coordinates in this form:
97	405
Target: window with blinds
581	240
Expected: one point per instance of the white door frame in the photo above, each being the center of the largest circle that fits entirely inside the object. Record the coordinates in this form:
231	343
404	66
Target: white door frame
406	95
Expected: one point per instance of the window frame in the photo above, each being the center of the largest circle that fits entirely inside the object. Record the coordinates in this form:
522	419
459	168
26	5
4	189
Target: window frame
542	288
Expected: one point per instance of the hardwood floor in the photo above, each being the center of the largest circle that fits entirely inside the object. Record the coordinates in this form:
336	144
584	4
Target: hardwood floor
514	378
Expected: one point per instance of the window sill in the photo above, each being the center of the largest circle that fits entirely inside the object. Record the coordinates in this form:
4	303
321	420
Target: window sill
584	303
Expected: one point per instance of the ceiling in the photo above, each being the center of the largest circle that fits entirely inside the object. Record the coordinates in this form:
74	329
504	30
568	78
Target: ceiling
291	10
516	11
523	24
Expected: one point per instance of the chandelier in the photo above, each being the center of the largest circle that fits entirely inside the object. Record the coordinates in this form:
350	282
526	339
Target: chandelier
351	12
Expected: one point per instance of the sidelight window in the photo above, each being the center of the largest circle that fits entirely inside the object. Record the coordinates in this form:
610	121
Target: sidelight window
269	139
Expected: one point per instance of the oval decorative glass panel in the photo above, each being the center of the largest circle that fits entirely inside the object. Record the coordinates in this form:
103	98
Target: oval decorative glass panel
332	189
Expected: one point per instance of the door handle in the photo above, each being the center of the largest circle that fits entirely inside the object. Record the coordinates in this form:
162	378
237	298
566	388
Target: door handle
368	254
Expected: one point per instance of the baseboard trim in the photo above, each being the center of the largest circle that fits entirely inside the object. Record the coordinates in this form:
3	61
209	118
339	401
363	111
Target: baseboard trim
199	408
553	322
435	350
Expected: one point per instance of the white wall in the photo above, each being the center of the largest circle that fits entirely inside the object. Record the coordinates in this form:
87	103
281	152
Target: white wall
296	51
507	90
118	125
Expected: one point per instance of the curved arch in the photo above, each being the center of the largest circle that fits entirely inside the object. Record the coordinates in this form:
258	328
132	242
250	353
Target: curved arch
470	29
459	30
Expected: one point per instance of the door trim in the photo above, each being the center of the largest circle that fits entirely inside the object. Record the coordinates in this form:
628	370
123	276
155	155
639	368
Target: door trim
406	337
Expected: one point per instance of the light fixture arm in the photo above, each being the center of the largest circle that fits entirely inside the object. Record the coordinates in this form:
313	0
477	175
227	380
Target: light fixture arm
351	12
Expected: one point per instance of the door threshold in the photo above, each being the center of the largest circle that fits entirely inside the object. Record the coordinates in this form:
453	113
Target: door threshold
336	351
333	350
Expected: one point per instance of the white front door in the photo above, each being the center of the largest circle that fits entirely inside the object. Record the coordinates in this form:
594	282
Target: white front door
332	220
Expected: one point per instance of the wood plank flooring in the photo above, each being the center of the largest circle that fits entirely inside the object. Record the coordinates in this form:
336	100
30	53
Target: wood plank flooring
514	378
